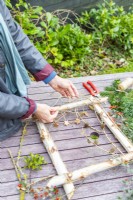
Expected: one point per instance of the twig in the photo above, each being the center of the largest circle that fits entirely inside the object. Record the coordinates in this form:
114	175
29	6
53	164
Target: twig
107	135
98	146
24	131
94	129
42	179
14	163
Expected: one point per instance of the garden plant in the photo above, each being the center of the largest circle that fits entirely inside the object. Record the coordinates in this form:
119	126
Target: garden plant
97	41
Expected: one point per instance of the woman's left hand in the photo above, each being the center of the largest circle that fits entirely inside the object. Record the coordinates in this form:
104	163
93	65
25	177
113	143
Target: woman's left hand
64	87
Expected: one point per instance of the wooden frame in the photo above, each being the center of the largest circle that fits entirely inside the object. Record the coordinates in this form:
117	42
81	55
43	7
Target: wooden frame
66	178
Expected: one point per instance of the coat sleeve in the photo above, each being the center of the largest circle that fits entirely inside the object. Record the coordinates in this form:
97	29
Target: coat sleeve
14	107
31	57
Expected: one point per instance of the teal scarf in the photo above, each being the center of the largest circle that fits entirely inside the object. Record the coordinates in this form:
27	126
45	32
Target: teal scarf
16	75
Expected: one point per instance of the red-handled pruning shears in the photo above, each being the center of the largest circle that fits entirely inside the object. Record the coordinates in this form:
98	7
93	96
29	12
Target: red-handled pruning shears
91	88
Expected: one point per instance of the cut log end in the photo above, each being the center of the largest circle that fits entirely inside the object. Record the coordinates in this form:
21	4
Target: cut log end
127	83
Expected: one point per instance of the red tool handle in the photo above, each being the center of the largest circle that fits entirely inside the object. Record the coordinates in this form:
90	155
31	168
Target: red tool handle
93	87
89	89
92	90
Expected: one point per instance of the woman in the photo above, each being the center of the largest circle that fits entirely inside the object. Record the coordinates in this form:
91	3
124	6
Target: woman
16	55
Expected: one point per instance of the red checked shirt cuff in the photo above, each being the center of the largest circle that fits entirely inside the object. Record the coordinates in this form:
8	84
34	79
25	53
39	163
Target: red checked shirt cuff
44	73
31	108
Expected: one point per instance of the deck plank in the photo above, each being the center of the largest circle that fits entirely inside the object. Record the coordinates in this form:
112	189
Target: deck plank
74	144
73	147
32	136
88	189
10	176
68	155
112	196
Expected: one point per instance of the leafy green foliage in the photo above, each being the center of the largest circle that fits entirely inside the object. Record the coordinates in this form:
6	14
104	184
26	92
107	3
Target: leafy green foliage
111	24
34	161
62	45
122	106
75	50
72	45
128	185
8	3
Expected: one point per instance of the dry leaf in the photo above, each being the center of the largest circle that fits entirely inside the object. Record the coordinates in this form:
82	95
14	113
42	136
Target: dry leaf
81	114
109	113
55	124
103	125
86	125
96	142
91	107
112	150
93	72
117	62
84	113
126	162
66	123
119	125
77	121
23	188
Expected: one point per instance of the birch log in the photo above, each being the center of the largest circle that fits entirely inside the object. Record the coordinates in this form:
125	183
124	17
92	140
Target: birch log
90	101
55	157
128	82
125	142
87	171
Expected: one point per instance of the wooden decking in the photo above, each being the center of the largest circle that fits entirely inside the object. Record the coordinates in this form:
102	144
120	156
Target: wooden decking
74	149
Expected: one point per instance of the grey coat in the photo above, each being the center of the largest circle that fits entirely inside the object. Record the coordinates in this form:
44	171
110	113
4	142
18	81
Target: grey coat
13	107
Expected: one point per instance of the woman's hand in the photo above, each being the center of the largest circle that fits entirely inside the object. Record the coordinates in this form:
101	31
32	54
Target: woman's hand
64	87
45	113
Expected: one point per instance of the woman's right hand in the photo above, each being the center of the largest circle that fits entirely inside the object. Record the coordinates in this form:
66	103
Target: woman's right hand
45	113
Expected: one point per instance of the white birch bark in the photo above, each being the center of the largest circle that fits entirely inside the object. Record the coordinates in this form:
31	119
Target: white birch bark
121	137
128	82
90	101
55	156
87	171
